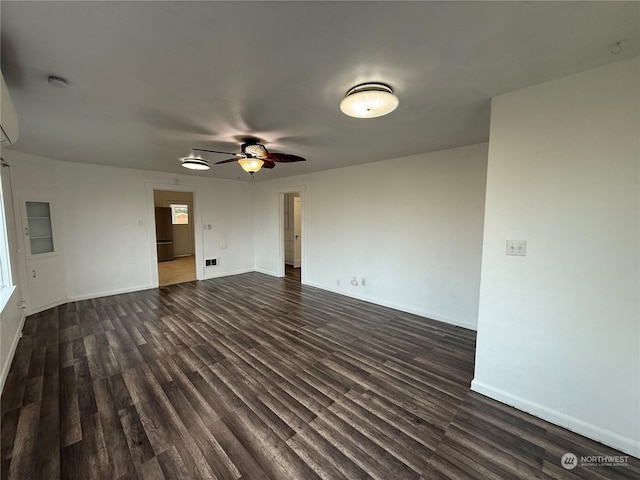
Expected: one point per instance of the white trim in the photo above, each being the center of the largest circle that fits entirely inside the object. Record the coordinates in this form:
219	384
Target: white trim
57	303
599	434
280	251
375	301
198	236
268	272
108	293
12	351
58	243
300	189
227	274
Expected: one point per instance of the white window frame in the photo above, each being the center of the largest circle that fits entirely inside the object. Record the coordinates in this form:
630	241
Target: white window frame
6	282
174	207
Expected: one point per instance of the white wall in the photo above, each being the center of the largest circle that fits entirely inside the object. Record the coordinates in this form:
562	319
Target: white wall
559	329
99	211
411	227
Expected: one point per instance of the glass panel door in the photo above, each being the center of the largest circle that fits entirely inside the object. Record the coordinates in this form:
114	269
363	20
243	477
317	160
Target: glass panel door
39	224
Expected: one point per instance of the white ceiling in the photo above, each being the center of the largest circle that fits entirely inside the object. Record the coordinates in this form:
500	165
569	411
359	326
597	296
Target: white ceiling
150	80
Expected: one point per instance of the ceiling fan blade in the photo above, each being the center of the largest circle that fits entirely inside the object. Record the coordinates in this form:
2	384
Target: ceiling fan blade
268	164
213	151
284	157
226	161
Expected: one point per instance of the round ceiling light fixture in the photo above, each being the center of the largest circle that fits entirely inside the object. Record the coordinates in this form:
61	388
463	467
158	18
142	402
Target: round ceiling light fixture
57	81
369	100
195	163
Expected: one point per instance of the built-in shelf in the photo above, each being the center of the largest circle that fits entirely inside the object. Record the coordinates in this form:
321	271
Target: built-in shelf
39	227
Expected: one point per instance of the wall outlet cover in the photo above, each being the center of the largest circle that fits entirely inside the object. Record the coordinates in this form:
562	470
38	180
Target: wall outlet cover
517	247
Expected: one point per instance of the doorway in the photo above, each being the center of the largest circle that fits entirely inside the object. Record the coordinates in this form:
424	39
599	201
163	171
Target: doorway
292	235
175	236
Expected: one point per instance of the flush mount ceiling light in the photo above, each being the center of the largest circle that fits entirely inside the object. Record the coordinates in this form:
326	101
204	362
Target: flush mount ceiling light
195	163
369	100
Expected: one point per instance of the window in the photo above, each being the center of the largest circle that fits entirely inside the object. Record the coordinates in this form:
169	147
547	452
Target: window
6	285
179	214
5	265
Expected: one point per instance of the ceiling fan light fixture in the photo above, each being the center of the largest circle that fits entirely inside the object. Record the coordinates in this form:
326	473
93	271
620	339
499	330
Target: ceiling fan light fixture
250	165
195	163
369	100
254	150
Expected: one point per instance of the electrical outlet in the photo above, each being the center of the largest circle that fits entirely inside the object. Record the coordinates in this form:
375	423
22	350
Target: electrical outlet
517	247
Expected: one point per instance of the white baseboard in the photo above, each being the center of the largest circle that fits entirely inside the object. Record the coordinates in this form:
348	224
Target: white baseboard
266	272
450	321
33	311
12	351
229	273
457	323
139	288
599	434
107	293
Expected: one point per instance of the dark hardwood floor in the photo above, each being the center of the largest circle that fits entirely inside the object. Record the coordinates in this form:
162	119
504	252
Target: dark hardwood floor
253	377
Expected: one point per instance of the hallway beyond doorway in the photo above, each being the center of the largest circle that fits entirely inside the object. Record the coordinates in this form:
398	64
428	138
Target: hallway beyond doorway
179	270
293	273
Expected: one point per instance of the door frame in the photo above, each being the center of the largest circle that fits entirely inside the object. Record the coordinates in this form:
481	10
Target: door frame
151	230
297	245
280	271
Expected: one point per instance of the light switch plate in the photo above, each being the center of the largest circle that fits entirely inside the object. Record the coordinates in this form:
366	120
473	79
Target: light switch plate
517	247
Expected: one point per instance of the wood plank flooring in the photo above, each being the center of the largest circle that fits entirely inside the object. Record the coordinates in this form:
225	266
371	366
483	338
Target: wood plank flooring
293	273
255	378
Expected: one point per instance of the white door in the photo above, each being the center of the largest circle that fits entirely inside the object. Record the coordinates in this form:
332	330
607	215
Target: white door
182	219
297	234
46	287
288	230
44	267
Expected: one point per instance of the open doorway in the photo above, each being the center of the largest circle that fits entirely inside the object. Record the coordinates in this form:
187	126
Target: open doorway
293	236
175	241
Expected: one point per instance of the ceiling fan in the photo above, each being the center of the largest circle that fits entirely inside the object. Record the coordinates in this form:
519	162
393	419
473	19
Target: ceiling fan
252	157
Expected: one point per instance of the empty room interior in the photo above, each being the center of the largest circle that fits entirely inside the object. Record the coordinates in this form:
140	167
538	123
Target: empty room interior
320	240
